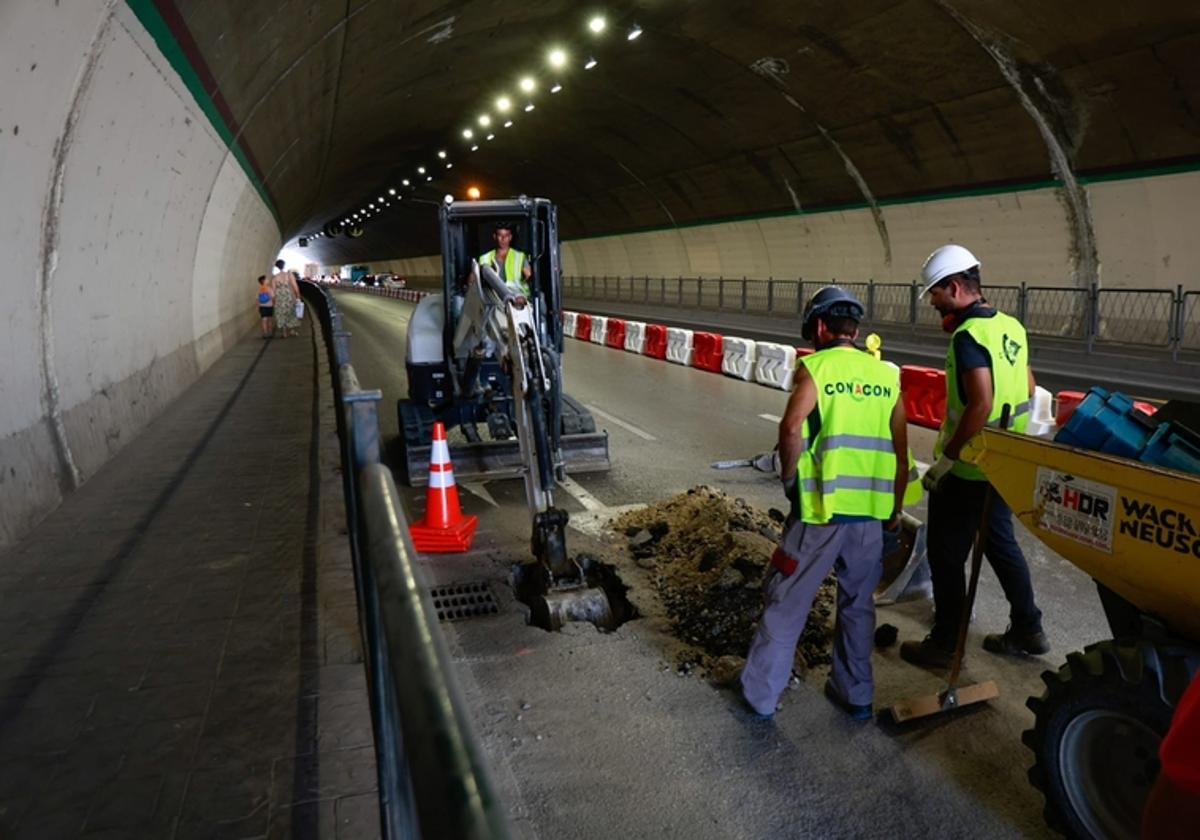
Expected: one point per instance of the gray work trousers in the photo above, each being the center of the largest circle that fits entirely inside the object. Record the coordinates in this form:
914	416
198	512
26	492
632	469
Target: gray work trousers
855	549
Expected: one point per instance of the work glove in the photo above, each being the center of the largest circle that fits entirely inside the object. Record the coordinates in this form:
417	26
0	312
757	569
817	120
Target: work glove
791	489
934	476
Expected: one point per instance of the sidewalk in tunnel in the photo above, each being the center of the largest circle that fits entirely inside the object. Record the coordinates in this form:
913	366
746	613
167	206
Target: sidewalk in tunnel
182	654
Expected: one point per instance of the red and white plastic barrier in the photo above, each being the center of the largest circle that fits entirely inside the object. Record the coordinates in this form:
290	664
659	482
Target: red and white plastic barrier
707	353
924	391
635	336
679	346
583	327
599	329
614	333
775	365
569	324
656	341
738	356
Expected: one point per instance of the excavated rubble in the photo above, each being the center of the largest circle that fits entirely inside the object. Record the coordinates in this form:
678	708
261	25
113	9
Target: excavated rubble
707	555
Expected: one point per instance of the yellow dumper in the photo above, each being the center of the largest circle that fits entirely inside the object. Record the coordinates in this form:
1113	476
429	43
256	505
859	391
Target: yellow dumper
1135	529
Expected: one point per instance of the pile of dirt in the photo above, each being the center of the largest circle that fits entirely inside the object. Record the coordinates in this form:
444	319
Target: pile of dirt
707	555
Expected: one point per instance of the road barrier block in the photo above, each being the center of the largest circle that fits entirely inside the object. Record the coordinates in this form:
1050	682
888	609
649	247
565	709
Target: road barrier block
614	335
656	341
707	353
738	356
599	329
635	336
924	391
583	327
775	365
679	346
569	324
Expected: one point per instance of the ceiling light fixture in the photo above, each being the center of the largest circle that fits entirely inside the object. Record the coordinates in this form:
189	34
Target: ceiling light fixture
591	62
557	57
475	148
597	24
528	84
391	191
428	177
468	134
503	103
491	137
634	33
442	155
449	165
405	182
556	88
420	170
529	107
508	123
485	120
473	193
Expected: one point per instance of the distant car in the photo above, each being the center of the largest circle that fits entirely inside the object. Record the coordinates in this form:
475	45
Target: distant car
391	281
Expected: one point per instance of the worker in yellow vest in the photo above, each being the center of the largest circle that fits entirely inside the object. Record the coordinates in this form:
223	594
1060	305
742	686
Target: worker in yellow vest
510	264
987	367
844	466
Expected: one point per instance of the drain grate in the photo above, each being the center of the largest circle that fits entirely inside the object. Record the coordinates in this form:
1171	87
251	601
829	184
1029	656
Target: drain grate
460	601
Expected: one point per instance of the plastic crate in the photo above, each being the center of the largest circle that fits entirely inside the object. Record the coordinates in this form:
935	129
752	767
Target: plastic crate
1174	448
1108	423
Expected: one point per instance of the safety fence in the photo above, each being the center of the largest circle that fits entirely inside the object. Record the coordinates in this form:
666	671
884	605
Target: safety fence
432	779
1152	318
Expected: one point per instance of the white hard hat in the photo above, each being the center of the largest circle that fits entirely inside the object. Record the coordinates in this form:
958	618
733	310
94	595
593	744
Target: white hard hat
947	260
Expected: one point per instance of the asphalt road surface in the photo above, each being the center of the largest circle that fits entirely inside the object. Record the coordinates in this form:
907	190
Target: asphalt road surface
596	735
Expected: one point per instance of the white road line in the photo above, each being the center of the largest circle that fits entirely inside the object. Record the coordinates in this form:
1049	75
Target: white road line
644	435
477	488
771	418
589	502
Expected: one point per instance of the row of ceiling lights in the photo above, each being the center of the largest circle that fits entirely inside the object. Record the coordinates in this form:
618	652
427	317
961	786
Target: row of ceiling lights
557	58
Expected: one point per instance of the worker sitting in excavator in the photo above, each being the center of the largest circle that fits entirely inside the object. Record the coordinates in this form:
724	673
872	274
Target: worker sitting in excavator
510	264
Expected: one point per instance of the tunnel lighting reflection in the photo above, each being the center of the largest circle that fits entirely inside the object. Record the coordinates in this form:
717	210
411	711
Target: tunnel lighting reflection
528	107
591	62
468	134
528	84
634	33
597	24
556	88
557	57
473	193
484	120
503	103
442	155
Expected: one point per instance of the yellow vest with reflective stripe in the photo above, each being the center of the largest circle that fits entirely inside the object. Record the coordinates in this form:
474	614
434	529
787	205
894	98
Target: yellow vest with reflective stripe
514	261
1004	338
848	465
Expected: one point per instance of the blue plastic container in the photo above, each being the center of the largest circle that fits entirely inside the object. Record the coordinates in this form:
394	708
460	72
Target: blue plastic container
1107	423
1170	448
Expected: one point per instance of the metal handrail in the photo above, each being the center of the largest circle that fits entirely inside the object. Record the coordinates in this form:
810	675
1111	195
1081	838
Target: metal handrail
1150	318
432	778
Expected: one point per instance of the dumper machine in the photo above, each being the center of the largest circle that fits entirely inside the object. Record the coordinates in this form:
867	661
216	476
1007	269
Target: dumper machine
1135	529
488	364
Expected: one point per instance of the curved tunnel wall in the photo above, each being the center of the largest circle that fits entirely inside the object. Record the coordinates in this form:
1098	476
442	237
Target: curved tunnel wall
132	237
1143	228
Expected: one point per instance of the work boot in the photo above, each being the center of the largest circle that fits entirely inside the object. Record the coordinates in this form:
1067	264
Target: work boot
1017	643
927	653
855	711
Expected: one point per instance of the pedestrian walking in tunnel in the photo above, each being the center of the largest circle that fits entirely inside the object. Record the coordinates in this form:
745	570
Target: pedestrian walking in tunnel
265	298
987	368
843	461
287	293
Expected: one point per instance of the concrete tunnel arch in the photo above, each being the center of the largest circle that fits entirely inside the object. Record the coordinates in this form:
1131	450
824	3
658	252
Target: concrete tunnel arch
156	154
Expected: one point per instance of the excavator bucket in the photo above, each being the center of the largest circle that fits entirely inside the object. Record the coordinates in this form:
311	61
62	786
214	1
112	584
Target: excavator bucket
489	459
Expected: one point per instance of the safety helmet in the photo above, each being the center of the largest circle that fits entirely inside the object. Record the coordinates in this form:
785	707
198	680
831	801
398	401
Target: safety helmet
830	301
945	261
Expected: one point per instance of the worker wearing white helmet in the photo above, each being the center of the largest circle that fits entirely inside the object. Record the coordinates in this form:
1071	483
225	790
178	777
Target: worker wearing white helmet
987	368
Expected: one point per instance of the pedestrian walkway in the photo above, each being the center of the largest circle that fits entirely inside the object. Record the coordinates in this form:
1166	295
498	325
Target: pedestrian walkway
181	654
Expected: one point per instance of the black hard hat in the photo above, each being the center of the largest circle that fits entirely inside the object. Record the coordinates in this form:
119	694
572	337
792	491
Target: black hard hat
830	301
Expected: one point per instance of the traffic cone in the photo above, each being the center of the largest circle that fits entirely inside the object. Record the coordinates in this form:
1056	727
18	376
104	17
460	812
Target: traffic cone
444	528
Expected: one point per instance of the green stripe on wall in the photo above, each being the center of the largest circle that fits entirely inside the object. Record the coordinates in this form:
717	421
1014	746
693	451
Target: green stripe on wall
150	18
965	192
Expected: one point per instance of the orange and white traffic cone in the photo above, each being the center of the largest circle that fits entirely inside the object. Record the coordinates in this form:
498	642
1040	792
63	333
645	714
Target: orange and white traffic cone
444	528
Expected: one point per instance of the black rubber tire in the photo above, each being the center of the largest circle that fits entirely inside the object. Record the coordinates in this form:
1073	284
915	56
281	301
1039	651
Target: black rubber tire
1095	738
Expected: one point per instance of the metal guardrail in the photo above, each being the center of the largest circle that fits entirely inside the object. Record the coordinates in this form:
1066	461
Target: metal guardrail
1152	318
432	779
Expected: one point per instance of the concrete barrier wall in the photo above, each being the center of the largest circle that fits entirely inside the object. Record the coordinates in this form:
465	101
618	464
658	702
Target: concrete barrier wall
1140	225
131	238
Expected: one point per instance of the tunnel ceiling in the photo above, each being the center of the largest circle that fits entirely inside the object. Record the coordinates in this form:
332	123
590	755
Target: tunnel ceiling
718	109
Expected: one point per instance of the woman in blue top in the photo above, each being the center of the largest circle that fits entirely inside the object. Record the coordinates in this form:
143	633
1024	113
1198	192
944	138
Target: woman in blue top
266	306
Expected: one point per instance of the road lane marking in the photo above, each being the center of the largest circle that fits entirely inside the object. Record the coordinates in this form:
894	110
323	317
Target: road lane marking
771	418
478	489
629	427
589	502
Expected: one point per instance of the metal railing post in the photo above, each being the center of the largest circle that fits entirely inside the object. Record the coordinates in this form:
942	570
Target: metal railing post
770	295
743	293
871	301
1093	315
913	296
1022	302
720	293
799	295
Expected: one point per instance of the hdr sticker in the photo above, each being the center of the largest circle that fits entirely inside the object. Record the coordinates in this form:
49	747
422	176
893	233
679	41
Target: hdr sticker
1075	508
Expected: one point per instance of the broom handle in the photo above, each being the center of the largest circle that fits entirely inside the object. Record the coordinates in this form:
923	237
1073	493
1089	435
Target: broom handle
976	564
